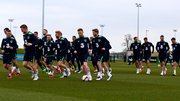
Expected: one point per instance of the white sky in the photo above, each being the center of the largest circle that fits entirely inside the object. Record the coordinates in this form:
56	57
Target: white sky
119	17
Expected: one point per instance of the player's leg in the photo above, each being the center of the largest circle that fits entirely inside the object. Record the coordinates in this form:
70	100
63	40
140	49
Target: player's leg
63	67
87	71
18	72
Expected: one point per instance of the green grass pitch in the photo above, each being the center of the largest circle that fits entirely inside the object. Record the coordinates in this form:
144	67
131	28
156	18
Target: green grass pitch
124	86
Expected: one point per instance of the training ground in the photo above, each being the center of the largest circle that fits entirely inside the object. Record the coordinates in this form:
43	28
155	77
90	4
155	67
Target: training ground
124	86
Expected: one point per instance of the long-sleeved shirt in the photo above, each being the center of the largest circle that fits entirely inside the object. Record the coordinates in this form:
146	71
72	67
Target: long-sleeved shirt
146	47
7	43
98	43
162	47
61	46
82	45
30	38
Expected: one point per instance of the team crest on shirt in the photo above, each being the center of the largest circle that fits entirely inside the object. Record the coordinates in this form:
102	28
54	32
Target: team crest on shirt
85	40
11	41
60	42
99	40
28	37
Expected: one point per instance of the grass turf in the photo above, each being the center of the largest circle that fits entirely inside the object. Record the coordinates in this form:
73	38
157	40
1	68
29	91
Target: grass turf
124	86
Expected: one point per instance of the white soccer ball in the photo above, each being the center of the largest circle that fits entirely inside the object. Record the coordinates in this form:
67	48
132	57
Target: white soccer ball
85	78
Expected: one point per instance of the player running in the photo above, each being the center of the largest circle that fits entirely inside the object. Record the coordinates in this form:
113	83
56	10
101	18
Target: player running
61	46
162	48
38	54
82	47
176	54
137	51
99	44
74	57
8	46
14	53
147	49
30	41
49	50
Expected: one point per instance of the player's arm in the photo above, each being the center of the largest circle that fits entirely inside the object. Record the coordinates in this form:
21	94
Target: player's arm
75	46
67	45
157	47
35	40
152	48
2	48
167	47
131	47
104	43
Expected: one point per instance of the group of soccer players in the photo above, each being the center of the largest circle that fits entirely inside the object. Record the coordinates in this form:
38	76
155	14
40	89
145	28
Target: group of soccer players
144	51
42	52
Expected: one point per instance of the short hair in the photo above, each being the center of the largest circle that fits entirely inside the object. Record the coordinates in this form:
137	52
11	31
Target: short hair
74	36
24	26
96	30
48	35
36	32
58	32
145	38
162	36
7	29
135	38
173	38
80	29
45	30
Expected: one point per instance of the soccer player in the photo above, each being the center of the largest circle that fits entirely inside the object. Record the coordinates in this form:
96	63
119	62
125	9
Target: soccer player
44	45
8	46
137	51
74	56
30	41
82	47
14	53
147	48
176	54
99	44
162	48
49	50
61	46
38	54
107	55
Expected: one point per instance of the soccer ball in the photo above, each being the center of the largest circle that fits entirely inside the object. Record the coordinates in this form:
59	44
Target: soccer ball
85	78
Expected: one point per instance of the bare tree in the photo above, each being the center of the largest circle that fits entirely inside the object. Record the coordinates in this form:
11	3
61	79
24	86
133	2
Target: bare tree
127	42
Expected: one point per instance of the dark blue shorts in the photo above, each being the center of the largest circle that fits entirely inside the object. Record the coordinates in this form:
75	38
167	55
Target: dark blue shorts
83	58
176	57
162	57
106	56
61	57
7	58
29	56
137	57
147	56
49	60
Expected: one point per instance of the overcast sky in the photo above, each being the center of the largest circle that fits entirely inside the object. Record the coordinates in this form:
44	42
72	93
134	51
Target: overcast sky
119	17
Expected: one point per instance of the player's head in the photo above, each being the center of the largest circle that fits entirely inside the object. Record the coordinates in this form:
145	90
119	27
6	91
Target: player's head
6	29
80	32
58	34
135	39
95	32
36	33
173	40
73	38
8	33
24	28
45	32
145	39
162	37
48	37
